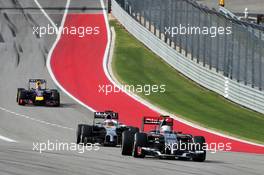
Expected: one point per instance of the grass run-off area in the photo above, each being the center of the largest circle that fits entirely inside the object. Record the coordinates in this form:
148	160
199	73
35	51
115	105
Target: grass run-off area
134	64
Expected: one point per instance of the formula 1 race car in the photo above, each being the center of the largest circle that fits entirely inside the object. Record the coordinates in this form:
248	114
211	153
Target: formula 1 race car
38	94
105	130
163	142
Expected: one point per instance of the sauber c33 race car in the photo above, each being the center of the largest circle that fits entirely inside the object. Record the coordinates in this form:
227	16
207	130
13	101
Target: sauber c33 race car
105	130
163	142
38	94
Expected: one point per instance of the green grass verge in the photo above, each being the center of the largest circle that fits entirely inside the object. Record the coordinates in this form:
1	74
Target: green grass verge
135	64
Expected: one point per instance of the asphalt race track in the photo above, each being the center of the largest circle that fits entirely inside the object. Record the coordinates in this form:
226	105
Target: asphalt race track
22	160
23	56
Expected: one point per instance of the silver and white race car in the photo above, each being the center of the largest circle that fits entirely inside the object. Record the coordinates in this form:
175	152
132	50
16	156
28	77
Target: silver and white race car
105	130
163	142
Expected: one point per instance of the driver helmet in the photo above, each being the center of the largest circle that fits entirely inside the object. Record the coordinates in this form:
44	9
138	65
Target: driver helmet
109	123
38	85
165	128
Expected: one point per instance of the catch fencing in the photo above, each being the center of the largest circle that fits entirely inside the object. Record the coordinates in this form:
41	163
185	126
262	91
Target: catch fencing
229	46
229	64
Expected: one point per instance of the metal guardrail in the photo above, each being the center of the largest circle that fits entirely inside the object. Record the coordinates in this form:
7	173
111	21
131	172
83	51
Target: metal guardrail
209	78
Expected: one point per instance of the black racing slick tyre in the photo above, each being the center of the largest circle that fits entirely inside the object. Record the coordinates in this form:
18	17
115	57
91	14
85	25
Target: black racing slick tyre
56	98
140	141
127	143
134	129
199	146
84	132
21	96
18	91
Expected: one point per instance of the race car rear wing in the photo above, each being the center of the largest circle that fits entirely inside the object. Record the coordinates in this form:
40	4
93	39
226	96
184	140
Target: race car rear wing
42	81
106	115
37	80
157	121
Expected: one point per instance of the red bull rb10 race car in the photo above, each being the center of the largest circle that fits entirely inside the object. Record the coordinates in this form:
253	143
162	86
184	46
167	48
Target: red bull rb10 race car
37	93
163	142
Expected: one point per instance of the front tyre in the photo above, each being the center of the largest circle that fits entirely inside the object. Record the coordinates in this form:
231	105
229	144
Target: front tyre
140	141
199	142
127	143
83	133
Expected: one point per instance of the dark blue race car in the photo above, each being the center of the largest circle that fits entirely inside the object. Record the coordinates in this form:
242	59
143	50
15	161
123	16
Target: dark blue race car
38	94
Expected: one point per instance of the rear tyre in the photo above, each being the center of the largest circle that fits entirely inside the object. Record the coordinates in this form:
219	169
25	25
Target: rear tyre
56	98
200	145
127	143
133	129
21	96
84	133
140	141
18	90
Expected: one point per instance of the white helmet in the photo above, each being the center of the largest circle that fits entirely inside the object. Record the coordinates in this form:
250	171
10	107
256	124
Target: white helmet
165	128
109	123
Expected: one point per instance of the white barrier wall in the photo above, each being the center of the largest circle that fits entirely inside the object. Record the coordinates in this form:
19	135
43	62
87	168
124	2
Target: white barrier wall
230	89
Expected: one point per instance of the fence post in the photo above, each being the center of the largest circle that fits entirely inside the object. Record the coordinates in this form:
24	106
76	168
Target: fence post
171	20
150	16
239	58
225	48
144	14
192	35
187	21
246	57
160	18
231	52
261	52
166	21
210	43
204	38
176	14
253	61
217	45
180	42
198	45
154	16
140	13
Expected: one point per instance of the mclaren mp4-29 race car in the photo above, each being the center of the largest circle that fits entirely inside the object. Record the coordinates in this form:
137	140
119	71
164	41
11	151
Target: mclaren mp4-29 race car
38	94
161	141
105	130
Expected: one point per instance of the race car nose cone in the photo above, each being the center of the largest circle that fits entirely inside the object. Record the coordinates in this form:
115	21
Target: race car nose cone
39	98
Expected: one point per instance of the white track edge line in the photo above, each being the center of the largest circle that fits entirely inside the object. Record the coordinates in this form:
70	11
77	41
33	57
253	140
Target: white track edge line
47	16
34	119
7	139
49	61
